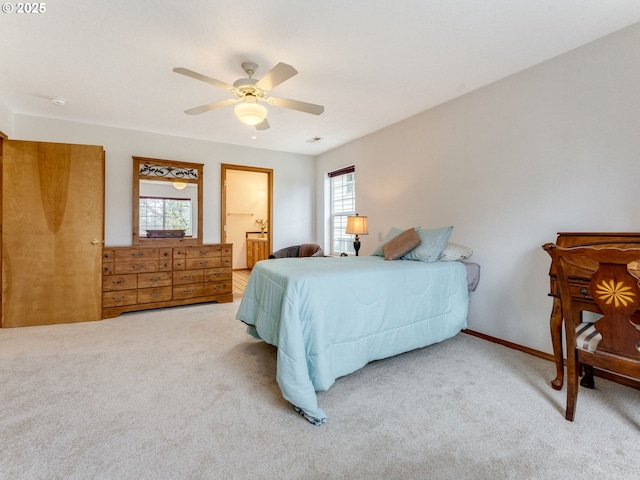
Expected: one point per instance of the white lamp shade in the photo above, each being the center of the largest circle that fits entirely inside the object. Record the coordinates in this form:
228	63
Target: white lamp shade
250	113
357	225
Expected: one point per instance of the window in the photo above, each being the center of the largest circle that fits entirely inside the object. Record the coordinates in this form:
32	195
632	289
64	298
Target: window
158	213
343	204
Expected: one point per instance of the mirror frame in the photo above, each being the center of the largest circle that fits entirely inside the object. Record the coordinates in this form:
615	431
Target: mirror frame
172	164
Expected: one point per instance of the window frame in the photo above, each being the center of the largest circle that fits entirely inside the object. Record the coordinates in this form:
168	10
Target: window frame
338	220
188	231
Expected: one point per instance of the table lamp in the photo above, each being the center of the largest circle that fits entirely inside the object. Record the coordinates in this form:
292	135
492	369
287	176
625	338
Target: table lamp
357	225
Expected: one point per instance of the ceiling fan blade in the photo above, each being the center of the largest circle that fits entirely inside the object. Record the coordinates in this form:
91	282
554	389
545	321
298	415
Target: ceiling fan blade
210	106
274	77
296	105
203	78
263	125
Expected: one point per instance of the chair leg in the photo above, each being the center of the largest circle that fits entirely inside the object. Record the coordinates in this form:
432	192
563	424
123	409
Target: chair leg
556	339
587	379
572	385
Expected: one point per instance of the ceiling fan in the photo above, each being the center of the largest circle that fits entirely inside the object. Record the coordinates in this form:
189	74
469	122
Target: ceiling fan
249	92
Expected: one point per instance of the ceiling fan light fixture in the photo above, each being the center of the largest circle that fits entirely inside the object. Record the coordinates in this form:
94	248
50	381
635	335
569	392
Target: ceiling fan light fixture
250	113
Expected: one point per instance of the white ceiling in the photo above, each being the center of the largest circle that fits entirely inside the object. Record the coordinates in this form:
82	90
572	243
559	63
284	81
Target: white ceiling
371	63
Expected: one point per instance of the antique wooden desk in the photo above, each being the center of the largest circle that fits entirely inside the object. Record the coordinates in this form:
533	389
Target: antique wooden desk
579	282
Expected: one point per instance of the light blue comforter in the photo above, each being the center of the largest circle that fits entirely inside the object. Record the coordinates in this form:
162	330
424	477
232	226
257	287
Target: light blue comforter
331	316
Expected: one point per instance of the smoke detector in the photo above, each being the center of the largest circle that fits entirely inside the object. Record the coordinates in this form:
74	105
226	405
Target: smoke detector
61	102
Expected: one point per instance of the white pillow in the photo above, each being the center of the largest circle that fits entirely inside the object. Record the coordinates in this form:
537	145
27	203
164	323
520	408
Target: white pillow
454	252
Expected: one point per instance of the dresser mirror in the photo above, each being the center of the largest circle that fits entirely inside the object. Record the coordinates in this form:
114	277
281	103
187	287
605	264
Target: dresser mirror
167	201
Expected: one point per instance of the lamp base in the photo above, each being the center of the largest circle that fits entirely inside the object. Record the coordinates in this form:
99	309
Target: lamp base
356	245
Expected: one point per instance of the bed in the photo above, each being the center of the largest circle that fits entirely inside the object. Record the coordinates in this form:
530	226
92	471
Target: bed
331	316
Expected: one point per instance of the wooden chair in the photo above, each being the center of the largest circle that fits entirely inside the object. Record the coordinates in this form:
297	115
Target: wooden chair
612	342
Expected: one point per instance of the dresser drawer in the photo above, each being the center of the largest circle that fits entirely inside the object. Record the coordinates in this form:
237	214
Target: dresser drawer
157	279
188	276
203	251
217	288
178	263
119	298
119	282
217	274
130	254
165	264
149	295
141	266
579	290
203	262
188	291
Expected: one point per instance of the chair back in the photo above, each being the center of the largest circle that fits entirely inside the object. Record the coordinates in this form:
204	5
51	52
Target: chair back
614	290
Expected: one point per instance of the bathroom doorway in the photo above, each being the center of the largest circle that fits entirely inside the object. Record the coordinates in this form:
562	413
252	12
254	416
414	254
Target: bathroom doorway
247	196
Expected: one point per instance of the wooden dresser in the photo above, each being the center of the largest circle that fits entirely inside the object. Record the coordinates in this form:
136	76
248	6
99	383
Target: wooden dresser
257	249
142	278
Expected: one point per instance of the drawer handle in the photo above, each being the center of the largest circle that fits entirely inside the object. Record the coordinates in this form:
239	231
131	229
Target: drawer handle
204	252
154	279
136	267
118	299
187	277
204	263
583	292
155	294
187	291
218	287
119	282
137	255
217	274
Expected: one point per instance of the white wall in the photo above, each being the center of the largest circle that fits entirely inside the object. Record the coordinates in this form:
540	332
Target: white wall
553	148
293	176
6	120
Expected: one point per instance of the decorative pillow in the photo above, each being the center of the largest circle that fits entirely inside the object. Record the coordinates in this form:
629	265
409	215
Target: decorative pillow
391	234
432	244
454	252
401	244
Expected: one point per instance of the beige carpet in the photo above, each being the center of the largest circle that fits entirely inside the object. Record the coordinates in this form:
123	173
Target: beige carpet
185	393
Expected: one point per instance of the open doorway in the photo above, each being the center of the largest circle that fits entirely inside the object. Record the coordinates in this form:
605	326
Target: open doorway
247	196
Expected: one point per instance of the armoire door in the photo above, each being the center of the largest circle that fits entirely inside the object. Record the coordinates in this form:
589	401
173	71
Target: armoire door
52	233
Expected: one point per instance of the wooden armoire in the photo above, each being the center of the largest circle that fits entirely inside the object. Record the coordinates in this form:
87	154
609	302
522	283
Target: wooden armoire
52	224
